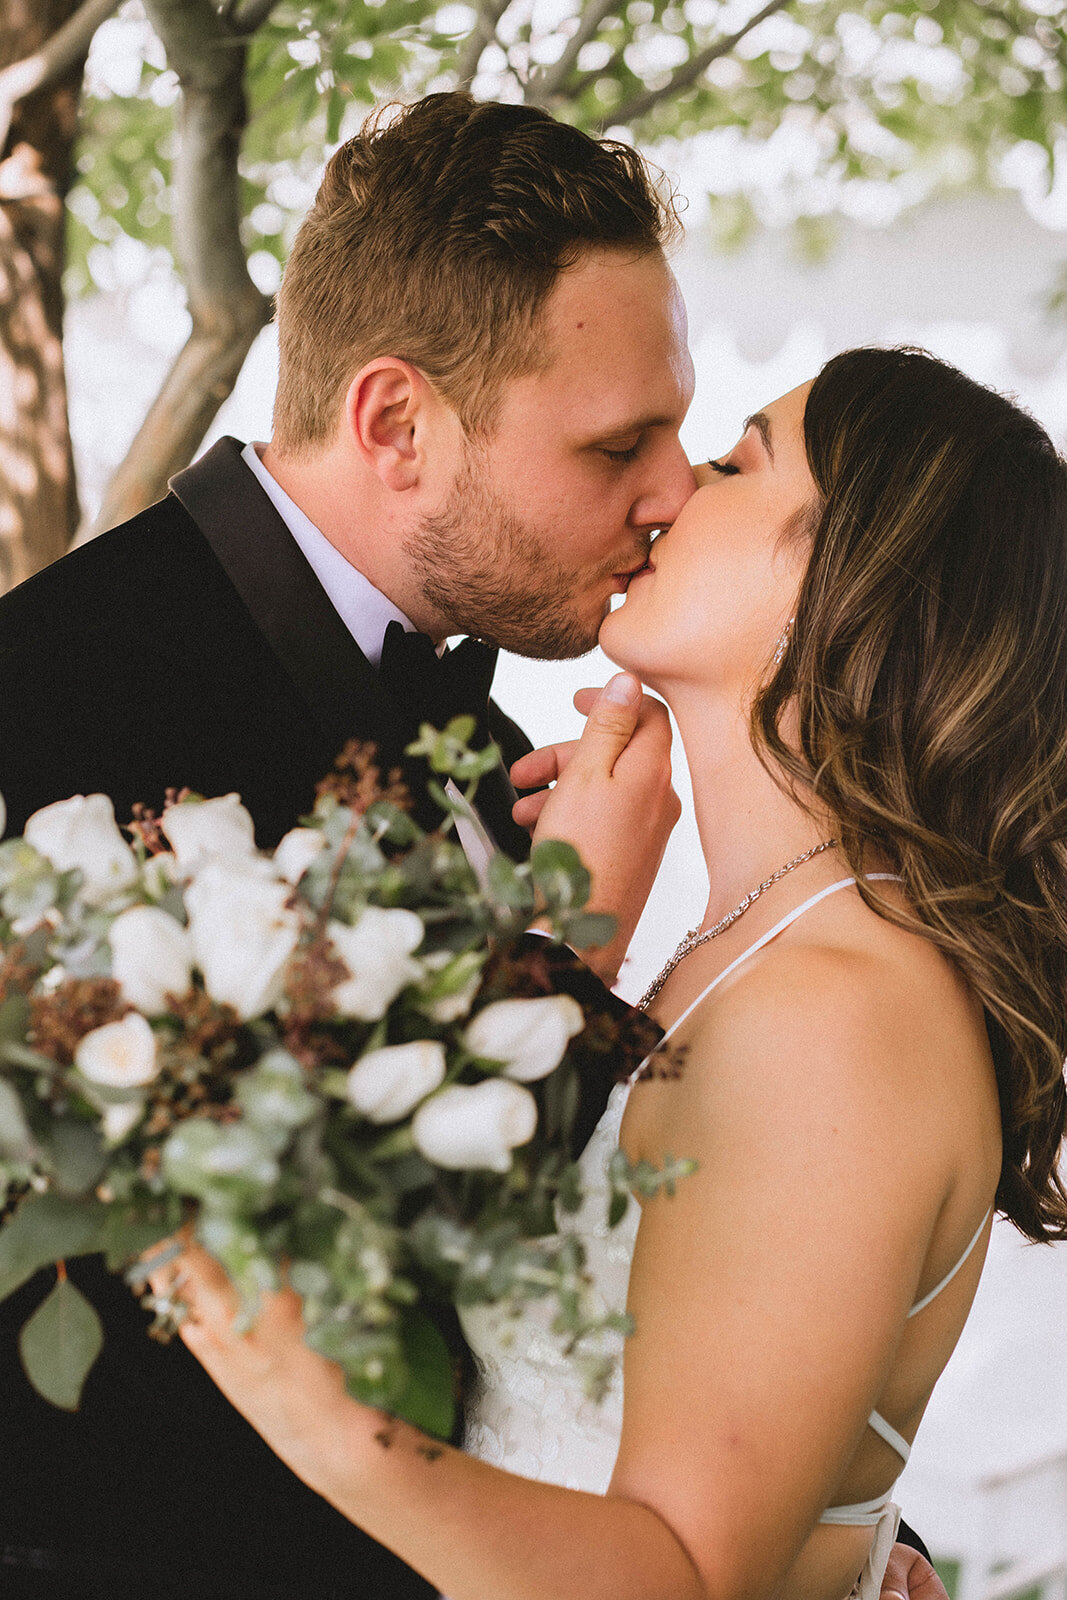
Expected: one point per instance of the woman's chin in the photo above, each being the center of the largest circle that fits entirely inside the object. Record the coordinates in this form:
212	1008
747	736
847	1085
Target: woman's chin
620	641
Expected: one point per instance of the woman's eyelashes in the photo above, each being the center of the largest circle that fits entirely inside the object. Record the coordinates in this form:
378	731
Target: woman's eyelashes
726	468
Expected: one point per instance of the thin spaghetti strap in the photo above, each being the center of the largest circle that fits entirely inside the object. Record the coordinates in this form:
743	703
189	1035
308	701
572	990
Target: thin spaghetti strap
920	1305
772	933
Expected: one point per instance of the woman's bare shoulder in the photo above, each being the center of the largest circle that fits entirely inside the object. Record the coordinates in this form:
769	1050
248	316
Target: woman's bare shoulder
865	1017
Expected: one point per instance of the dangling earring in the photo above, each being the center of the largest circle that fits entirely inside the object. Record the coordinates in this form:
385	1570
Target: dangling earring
783	641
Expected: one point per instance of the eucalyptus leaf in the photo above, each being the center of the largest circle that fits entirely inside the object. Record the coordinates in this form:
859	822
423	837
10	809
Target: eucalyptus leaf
78	1155
59	1344
428	1399
559	875
590	929
44	1229
16	1140
14	1019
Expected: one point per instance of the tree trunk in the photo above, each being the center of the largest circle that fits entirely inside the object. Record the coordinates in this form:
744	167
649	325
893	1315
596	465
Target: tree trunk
38	497
227	309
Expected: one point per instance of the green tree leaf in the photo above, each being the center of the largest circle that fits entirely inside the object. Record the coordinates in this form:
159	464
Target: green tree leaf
59	1344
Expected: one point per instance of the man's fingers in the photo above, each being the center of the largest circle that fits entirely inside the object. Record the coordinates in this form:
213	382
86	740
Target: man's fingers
909	1576
542	766
526	810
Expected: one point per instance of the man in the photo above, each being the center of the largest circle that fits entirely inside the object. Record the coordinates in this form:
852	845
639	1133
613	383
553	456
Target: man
483	370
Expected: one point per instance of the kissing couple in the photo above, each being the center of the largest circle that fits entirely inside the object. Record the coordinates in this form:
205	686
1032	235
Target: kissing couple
859	619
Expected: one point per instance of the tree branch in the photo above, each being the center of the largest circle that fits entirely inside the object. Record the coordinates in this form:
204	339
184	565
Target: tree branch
227	309
66	46
640	104
489	14
551	82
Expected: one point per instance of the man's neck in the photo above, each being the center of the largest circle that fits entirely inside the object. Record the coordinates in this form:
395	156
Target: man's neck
324	490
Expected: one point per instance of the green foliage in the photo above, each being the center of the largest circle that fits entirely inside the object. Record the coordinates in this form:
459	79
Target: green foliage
934	92
59	1344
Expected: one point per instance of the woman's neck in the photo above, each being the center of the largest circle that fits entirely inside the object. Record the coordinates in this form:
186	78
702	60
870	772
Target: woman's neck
748	827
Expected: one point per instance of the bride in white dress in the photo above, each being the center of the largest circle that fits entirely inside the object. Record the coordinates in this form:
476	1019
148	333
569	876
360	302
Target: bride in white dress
860	624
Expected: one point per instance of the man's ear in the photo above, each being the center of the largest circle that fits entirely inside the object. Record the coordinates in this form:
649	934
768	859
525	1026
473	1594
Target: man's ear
385	409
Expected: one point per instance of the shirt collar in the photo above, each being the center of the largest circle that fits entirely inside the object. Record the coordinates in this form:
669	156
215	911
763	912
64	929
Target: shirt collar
363	609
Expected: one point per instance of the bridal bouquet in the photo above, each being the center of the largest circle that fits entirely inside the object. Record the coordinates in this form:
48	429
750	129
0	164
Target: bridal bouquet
331	1063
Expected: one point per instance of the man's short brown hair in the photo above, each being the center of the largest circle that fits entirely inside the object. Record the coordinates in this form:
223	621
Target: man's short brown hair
436	236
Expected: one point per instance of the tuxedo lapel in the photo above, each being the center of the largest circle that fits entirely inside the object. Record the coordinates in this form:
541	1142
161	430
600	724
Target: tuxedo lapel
292	611
287	602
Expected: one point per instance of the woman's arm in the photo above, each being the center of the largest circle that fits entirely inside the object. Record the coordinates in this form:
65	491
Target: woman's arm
769	1294
473	1530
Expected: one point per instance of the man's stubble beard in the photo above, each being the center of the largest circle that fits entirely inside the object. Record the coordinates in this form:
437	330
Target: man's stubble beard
488	573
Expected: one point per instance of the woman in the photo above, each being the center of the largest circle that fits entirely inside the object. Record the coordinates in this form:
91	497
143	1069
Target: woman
860	623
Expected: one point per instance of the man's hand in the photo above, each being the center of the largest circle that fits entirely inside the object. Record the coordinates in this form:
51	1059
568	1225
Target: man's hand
612	800
909	1576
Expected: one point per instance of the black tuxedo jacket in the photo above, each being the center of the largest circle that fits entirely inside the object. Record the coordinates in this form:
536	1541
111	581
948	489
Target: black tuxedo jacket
191	646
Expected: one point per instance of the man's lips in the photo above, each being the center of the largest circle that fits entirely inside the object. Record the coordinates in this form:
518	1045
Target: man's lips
624	579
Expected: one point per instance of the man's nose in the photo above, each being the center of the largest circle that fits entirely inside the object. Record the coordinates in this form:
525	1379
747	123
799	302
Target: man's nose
670	483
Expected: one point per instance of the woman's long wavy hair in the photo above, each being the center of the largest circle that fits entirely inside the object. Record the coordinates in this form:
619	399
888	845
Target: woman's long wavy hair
928	670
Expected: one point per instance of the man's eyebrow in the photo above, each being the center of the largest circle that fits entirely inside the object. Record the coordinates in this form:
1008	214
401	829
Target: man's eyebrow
627	425
762	423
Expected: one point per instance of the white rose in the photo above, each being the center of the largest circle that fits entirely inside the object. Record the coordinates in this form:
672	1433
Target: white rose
82	832
243	934
151	957
119	1120
530	1036
296	852
377	953
120	1055
209	830
475	1125
386	1084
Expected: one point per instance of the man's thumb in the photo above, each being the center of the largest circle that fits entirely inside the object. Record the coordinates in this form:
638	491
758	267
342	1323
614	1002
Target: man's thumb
611	720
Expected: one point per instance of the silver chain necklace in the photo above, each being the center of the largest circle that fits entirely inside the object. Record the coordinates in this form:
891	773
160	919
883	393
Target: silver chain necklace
695	937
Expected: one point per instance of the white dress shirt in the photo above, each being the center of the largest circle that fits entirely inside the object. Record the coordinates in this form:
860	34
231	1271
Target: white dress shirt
366	612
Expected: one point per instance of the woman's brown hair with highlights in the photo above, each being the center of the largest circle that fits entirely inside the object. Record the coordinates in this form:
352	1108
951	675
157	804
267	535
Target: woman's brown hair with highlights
927	674
436	236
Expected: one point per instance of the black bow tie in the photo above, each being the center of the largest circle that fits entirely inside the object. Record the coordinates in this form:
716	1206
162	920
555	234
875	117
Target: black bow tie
437	688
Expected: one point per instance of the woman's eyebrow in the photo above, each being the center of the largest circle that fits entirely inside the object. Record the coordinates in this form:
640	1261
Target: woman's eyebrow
762	423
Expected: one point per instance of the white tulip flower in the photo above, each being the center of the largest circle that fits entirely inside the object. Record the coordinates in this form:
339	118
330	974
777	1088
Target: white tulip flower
209	830
243	934
377	953
530	1036
475	1125
151	957
82	832
387	1084
119	1055
296	852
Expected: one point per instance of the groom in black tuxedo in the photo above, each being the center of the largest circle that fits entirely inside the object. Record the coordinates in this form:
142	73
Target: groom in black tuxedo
468	439
483	371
